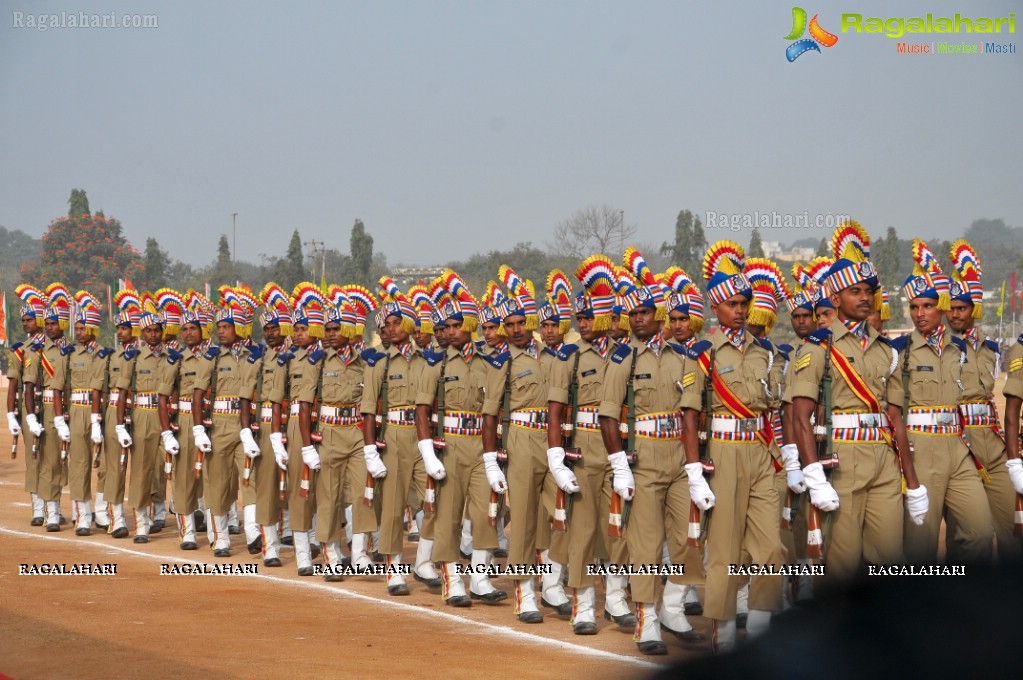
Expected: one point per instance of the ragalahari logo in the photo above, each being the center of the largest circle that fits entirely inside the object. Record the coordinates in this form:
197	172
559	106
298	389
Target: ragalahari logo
818	36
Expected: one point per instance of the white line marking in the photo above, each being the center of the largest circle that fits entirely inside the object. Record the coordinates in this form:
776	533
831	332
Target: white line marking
480	626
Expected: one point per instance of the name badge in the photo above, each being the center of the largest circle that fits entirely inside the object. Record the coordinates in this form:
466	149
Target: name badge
726	369
592	371
925	368
642	376
295	376
451	378
224	369
850	360
189	373
397	376
78	364
331	374
146	371
524	373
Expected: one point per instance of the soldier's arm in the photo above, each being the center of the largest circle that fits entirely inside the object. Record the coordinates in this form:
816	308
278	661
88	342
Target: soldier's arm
370	390
557	399
806	373
202	381
612	398
59	380
12	392
425	397
902	442
1013	391
1012	407
802	410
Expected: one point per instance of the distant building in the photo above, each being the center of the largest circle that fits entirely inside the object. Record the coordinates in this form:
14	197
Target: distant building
775	251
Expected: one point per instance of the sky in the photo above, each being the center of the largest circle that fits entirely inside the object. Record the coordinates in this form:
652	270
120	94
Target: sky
452	128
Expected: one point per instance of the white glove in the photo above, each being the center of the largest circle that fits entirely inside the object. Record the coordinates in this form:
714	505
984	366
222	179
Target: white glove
563	477
623	482
170	444
33	425
202	442
310	457
699	489
12	423
494	475
280	453
793	473
1015	468
433	466
822	494
96	433
917	504
123	438
63	431
374	465
249	445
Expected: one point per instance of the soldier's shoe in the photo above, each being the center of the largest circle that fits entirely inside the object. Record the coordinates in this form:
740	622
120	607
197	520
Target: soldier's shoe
693	609
689	636
377	557
140	538
531	617
585	628
563	609
63	520
305	571
652	647
272	562
492	597
429	582
413	537
625	621
333	578
500	552
101	527
38	521
288	540
458	601
464	555
83	531
233	529
740	620
121	532
256	546
200	520
314	551
397	590
189	545
222	552
53	527
157	526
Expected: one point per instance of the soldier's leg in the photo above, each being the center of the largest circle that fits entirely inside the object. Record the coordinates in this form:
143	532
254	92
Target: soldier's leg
645	535
423	570
931	460
616	605
265	478
730	484
219	474
80	467
677	505
185	488
882	528
101	516
763	540
966	501
159	493
851	480
1001	495
50	470
484	536
145	456
32	474
393	491
450	503
523	497
114	482
579	555
329	479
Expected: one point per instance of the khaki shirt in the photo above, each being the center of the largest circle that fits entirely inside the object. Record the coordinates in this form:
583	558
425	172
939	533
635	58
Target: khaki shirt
589	375
403	379
874	365
746	374
236	377
120	366
59	364
933	380
979	371
87	368
341	384
1014	366
656	380
148	366
528	383
464	383
274	376
180	377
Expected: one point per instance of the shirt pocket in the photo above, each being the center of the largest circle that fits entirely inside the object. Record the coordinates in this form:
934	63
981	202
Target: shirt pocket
924	387
589	392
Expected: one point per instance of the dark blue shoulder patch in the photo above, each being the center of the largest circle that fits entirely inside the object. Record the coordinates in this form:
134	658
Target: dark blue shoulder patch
699	348
211	352
819	336
499	360
105	352
992	345
620	353
1020	339
130	354
765	343
481	345
566	351
37	346
284	357
958	342
314	357
256	352
372	356
16	346
432	358
66	349
679	349
884	340
900	342
783	352
785	347
173	356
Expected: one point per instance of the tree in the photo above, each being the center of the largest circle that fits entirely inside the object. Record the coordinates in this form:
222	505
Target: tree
290	270
361	248
83	251
756	245
223	271
690	244
824	248
594	229
887	256
155	262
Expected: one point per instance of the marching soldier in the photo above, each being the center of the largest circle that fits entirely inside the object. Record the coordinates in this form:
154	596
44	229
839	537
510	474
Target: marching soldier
979	418
88	368
863	404
817	269
177	381
116	439
169	305
23	365
746	512
451	392
931	369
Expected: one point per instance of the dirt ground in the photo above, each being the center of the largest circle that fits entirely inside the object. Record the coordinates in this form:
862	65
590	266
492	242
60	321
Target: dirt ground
138	623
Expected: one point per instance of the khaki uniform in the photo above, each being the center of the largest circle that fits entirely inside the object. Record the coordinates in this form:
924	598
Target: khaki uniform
942	460
302	379
867	526
53	373
746	514
983	434
142	385
87	369
401	457
119	365
465	486
529	482
178	379
23	367
660	508
273	383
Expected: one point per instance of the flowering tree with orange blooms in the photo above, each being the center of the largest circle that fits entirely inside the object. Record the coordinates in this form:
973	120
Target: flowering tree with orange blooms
83	251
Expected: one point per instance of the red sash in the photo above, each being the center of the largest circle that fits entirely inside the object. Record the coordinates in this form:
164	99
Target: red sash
730	400
855	381
47	366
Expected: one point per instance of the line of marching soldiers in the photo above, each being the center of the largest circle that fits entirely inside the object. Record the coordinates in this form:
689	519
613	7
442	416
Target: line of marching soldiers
639	444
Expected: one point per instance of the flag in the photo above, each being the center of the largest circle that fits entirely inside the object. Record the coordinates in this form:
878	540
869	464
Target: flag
323	283
3	318
110	306
1001	305
207	291
1012	295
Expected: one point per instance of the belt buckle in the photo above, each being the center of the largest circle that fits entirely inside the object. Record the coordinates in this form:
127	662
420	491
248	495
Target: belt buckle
747	425
870	420
944	418
470	422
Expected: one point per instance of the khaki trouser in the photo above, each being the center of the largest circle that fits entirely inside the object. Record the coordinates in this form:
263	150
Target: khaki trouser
529	483
954	488
341	458
300	510
866	528
611	548
51	472
405	474
220	467
989	448
31	463
464	487
113	481
745	517
146	456
660	509
79	460
580	550
185	486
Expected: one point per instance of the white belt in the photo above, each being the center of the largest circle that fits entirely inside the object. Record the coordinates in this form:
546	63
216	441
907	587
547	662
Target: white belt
857	420
402	416
975	409
294	408
266	413
465	422
184	406
585	418
931	418
115	397
738	424
351	411
48	394
147	400
529	417
77	398
661	424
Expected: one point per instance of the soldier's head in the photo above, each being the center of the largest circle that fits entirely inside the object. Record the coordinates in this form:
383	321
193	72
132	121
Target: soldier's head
731	312
490	334
226	333
52	329
803	322
678	324
300	335
442	339
83	335
960	317
423	340
550	333
332	336
395	330
454	334
855	302
516	330
823	308
925	314
643	323
825	317
29	324
124	334
191	334
584	323
617	332
875	321
272	335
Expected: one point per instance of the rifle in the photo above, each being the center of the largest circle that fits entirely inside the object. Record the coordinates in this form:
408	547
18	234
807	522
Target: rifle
563	501
371	483
814	529
430	495
496	505
618	518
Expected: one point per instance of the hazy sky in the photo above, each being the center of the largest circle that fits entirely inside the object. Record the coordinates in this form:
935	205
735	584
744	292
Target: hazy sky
454	127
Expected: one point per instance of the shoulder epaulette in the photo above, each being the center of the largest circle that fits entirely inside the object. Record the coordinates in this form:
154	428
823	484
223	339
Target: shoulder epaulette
900	342
37	346
105	352
819	336
432	358
314	357
885	340
130	354
211	352
681	350
783	350
481	345
16	346
499	360
566	351
1020	339
372	356
66	349
765	343
255	353
173	356
699	348
620	352
992	345
785	347
958	342
284	357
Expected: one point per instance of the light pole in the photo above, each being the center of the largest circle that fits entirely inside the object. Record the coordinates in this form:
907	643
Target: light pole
234	237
